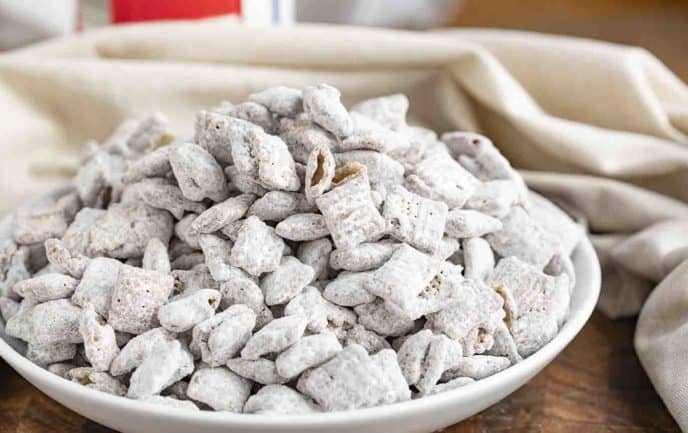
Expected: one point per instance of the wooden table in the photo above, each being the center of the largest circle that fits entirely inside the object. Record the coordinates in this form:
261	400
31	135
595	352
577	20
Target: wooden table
595	385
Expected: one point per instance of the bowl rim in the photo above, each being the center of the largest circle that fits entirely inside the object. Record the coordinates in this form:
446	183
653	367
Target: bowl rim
584	254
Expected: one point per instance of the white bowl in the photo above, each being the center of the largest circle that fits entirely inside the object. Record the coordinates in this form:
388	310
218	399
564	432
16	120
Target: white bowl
417	416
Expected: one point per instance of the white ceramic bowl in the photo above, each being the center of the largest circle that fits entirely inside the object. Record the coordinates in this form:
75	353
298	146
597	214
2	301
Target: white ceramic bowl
417	416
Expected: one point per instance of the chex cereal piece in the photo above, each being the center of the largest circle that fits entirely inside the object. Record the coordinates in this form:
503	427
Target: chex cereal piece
316	254
257	248
467	223
7	248
363	257
310	304
197	276
44	354
256	114
70	203
369	340
281	285
125	229
198	173
523	284
339	319
348	289
63	260
77	237
504	344
448	248
279	400
20	325
472	319
100	343
383	172
162	194
321	103
370	135
97	284
349	212
259	370
442	292
533	330
139	348
389	111
303	227
39	220
217	252
222	336
242	288
61	369
302	136
97	380
377	317
242	182
411	354
442	353
278	205
319	172
17	270
153	164
282	100
561	264
116	143
419	140
183	231
532	290
95	179
439	177
243	137
56	322
452	384
155	257
136	298
46	287
220	389
353	379
150	134
486	162
413	219
403	278
476	367
276	169
177	390
170	402
494	197
478	258
8	308
169	363
211	132
523	238
275	336
185	312
308	352
122	338
555	221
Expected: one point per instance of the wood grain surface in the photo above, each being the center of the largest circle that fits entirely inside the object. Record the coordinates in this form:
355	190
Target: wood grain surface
595	385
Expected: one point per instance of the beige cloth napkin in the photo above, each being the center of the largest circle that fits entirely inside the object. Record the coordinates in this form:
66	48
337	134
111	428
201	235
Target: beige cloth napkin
601	128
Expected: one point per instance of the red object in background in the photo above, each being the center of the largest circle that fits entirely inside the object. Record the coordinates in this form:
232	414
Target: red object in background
123	11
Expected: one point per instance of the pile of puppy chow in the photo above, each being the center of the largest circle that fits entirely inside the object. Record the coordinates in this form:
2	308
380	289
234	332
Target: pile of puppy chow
293	257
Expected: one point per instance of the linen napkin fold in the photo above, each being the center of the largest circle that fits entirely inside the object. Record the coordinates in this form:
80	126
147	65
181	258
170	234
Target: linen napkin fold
601	128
